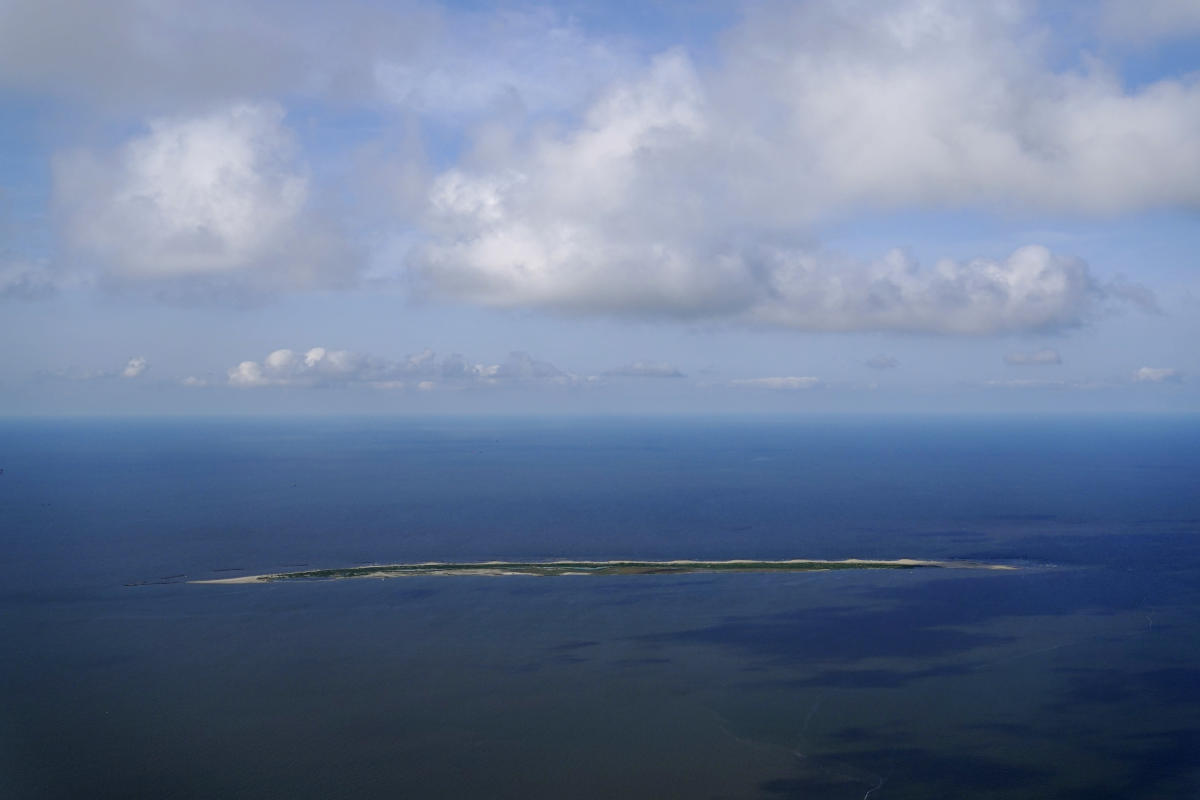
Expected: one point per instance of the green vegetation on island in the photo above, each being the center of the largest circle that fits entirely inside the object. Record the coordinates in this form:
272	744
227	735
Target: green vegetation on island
555	568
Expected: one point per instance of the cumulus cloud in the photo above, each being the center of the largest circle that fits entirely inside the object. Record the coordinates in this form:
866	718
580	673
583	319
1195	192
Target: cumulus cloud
319	366
790	383
135	367
1157	375
696	193
646	369
1042	357
881	361
544	226
935	102
597	181
219	197
316	366
818	103
1032	289
499	258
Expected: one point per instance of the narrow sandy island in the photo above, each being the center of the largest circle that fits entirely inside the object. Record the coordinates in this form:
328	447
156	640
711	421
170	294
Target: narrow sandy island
554	568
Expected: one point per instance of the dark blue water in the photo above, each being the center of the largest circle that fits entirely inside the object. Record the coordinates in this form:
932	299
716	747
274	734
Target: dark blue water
1077	675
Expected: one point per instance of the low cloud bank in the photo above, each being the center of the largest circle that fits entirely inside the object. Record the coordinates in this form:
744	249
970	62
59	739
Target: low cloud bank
319	366
1157	375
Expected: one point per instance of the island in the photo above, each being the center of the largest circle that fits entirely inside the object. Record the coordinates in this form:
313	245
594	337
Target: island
558	568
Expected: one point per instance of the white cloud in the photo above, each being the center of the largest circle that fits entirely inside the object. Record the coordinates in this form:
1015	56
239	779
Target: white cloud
192	381
882	361
247	373
1157	375
646	369
784	383
319	366
564	224
595	182
1032	289
135	367
316	366
507	262
281	359
220	197
812	106
936	102
695	193
522	366
1042	357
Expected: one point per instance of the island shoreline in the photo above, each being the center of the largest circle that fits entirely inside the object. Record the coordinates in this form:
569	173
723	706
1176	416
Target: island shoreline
562	567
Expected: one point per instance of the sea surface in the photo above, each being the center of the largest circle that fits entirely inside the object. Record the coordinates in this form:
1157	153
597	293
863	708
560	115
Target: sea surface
1075	676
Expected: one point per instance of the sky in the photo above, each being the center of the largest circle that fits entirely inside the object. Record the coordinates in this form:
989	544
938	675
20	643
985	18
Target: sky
662	207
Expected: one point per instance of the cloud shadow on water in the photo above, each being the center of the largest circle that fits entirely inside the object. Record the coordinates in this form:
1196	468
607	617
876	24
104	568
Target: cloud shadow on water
936	618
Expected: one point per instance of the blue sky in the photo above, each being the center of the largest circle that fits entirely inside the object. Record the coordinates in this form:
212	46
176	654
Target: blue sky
922	205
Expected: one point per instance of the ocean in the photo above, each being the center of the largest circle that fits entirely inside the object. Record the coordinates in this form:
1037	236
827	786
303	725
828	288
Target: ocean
1074	675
